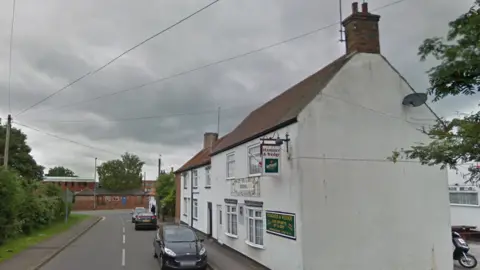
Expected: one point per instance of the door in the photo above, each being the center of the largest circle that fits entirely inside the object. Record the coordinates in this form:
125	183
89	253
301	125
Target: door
209	219
219	222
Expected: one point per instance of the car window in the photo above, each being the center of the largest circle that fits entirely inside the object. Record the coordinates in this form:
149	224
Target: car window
178	235
137	211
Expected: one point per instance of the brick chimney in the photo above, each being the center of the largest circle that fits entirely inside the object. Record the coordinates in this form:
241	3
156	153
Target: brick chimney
209	139
361	30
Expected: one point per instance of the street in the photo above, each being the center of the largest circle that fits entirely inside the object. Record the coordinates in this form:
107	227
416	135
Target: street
111	244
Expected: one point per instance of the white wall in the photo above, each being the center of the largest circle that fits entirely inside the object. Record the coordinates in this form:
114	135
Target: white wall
468	215
277	194
359	210
203	196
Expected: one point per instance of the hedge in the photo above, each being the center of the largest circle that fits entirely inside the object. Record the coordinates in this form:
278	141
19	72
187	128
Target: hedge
27	206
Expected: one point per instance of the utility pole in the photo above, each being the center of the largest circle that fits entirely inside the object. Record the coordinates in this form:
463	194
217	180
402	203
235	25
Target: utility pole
95	186
7	141
159	165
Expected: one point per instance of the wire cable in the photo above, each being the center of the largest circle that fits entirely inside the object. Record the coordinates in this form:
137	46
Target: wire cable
119	56
64	139
140	86
211	111
10	58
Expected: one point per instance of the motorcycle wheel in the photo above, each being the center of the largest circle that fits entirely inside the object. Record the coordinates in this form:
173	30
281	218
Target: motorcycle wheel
469	262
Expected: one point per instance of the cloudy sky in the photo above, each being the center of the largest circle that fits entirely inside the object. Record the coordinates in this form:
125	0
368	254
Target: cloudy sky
55	42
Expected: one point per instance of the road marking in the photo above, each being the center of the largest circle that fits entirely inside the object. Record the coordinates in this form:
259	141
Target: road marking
123	257
103	218
124	238
123	229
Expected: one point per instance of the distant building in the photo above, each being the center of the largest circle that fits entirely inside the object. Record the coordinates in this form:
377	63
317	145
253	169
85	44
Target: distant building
108	199
75	184
150	187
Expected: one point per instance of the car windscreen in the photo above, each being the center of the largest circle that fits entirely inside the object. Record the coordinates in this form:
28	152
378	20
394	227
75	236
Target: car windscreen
178	235
137	211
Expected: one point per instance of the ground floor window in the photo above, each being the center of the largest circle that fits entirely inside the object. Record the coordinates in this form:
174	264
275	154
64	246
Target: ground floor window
232	220
185	205
465	198
195	208
255	226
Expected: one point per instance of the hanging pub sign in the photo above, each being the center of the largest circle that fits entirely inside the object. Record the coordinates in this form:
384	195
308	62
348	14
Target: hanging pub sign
271	155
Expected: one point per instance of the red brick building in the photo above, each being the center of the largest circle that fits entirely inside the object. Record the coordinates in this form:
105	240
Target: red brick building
107	199
75	184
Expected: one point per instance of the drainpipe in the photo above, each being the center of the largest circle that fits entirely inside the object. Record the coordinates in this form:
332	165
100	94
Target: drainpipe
191	198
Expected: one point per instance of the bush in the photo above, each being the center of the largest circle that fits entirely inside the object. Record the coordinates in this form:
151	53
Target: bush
27	205
11	199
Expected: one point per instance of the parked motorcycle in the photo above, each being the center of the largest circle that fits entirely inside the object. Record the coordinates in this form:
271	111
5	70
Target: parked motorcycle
461	254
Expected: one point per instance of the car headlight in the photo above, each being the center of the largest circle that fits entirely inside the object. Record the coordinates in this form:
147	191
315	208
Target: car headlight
169	252
202	251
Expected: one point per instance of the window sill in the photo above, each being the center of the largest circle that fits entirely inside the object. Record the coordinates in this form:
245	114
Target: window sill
230	178
464	205
231	235
255	175
208	187
196	219
254	245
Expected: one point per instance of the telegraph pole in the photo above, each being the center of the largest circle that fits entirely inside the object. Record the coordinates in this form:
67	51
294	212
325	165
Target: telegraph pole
7	141
95	186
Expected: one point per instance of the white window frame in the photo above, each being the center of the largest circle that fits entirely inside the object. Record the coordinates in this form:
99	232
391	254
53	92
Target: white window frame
230	163
256	159
208	180
195	208
231	213
185	206
185	180
251	216
469	198
195	179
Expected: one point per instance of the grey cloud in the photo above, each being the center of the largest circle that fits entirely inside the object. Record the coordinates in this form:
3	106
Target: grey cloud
58	41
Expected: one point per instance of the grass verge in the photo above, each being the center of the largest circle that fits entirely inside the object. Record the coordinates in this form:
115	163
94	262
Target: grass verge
14	246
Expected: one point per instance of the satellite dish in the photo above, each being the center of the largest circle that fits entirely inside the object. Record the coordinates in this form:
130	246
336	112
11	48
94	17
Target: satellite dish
415	99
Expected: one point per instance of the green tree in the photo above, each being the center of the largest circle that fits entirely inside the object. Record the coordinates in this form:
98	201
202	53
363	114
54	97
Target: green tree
166	192
20	158
121	174
454	141
60	171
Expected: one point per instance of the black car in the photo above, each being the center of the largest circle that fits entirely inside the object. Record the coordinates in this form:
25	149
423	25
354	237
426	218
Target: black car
137	211
178	247
145	221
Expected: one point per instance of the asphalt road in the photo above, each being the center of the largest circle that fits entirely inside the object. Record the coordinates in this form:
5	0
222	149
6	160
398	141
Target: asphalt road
111	244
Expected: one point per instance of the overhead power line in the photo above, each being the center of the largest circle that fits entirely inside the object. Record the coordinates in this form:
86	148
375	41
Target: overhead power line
140	86
119	56
10	59
147	117
65	139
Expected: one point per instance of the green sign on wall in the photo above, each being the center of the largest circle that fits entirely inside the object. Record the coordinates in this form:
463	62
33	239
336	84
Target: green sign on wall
281	224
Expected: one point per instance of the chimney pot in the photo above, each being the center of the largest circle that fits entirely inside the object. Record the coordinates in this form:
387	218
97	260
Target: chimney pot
209	138
355	7
365	7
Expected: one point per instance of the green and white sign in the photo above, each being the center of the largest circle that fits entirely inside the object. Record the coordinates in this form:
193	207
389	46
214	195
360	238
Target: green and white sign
281	224
271	155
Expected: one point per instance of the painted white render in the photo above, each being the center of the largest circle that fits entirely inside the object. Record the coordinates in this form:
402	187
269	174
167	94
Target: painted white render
202	193
278	193
376	214
464	205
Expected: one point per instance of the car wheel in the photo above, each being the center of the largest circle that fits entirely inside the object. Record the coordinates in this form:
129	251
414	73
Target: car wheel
136	228
155	254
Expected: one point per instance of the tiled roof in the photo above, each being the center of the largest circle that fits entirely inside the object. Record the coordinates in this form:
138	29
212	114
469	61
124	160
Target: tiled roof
202	158
281	110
